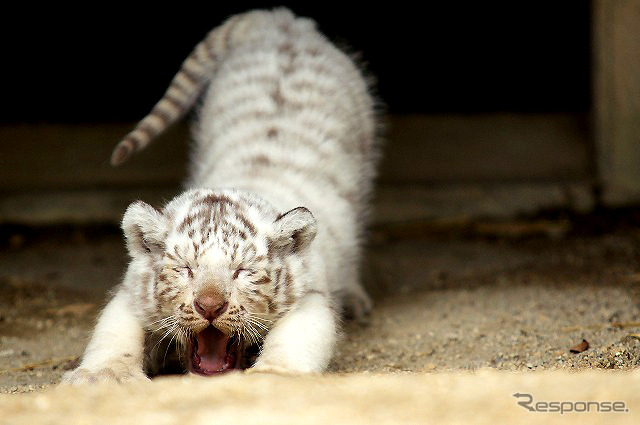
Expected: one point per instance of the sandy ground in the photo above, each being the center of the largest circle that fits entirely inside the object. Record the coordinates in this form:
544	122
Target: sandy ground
507	296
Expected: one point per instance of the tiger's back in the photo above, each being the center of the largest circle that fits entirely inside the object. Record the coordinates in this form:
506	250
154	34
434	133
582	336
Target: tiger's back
289	116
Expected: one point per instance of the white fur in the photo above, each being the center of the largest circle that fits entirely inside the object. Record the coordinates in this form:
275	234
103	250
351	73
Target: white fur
286	122
302	341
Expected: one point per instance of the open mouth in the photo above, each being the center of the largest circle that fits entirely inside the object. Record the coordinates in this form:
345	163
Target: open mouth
212	352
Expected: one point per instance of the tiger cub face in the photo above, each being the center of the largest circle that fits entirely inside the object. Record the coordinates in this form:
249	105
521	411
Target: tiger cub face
220	267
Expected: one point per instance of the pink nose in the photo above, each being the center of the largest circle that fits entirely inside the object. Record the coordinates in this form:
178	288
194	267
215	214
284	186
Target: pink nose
210	307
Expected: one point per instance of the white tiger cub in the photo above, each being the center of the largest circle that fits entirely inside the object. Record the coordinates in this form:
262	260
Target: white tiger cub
237	272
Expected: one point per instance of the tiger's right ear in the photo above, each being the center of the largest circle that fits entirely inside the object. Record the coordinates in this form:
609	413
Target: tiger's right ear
145	228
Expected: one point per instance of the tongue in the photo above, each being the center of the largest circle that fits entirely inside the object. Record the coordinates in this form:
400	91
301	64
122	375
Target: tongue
212	350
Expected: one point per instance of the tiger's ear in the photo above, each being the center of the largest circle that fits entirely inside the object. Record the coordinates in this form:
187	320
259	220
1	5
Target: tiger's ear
145	229
294	231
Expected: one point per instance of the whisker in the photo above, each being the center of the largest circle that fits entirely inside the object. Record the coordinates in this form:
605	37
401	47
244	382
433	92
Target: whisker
255	335
182	341
164	360
164	323
257	317
258	324
246	332
170	331
160	320
165	326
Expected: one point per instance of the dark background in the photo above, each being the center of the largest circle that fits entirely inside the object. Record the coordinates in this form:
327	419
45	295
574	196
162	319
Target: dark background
112	63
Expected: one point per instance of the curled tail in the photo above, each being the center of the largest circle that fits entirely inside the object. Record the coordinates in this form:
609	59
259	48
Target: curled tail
184	90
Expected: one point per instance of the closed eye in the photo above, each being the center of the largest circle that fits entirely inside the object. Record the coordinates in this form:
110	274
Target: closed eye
184	271
253	276
242	273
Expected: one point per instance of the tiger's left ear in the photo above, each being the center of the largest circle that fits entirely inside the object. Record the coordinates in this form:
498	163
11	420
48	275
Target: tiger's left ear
294	230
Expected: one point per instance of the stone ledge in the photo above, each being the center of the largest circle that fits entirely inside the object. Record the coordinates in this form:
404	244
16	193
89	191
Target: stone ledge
484	397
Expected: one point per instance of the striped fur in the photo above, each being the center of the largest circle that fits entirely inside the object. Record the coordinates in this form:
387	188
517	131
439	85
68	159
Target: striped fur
272	218
195	73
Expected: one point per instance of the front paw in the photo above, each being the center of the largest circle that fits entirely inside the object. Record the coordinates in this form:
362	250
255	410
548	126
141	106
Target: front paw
117	373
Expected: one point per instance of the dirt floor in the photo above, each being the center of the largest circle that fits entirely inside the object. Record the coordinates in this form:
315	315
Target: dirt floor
512	296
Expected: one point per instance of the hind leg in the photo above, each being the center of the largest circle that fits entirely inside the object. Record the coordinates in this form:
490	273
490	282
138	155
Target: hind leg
355	302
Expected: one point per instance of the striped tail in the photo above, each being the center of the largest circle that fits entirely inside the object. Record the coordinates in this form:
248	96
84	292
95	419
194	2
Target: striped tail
184	90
